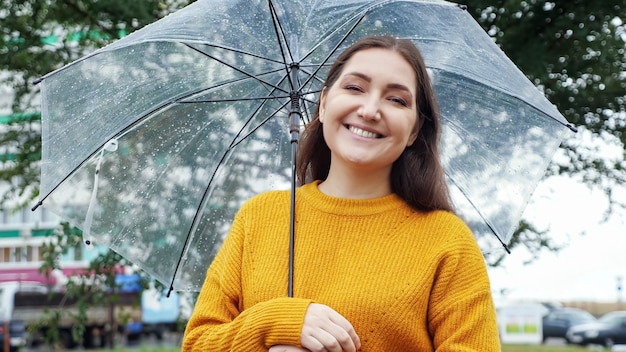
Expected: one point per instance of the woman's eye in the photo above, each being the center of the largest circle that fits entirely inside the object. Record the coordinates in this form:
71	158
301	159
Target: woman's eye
354	87
398	101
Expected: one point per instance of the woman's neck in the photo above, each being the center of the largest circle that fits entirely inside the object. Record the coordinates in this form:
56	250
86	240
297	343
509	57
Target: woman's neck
356	184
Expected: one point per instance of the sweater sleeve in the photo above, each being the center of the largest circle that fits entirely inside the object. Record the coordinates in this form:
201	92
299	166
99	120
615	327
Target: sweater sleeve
462	315
218	322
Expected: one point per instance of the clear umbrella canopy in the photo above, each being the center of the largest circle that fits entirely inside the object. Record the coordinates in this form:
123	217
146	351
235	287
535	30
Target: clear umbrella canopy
198	104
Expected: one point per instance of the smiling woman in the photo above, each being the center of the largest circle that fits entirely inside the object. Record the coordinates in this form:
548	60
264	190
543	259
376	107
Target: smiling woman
382	262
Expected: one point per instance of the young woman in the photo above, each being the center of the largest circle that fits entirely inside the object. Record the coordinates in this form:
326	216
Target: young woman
382	263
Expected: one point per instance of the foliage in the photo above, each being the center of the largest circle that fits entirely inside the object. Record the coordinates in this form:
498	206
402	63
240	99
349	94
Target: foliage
533	239
38	37
575	52
95	285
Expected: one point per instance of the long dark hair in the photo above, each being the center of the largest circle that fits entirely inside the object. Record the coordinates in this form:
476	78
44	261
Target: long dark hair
417	176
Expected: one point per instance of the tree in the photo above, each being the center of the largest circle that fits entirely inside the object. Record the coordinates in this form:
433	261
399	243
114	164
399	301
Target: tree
575	51
96	285
36	38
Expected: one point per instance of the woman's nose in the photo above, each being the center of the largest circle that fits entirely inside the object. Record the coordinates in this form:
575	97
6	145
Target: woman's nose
370	109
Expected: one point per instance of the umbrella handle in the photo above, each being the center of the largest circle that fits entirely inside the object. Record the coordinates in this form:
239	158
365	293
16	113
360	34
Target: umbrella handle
110	146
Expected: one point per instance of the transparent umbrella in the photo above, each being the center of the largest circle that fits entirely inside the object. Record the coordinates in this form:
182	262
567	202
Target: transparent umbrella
151	144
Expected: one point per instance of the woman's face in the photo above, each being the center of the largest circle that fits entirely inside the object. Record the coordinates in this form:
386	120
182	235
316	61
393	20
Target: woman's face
369	113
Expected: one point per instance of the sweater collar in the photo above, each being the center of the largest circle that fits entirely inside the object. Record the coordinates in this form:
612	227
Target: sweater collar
311	194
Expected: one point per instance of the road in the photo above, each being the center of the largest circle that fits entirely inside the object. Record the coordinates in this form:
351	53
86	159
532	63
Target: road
170	339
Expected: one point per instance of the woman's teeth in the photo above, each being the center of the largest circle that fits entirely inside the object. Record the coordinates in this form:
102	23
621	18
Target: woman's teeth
362	133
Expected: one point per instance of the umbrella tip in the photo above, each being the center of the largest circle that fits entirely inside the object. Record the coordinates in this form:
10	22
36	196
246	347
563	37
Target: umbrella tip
39	203
572	128
88	244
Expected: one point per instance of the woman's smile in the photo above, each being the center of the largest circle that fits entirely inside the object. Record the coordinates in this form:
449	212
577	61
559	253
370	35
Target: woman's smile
363	133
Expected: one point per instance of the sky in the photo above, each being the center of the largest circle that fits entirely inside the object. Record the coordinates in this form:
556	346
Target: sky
589	265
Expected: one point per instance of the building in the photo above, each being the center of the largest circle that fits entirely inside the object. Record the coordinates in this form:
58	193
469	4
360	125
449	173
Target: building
23	235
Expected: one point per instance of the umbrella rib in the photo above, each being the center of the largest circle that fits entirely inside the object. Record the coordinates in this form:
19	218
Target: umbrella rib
227	100
511	95
183	98
265	120
262	122
361	16
332	52
238	51
116	134
243	99
487	222
205	196
196	221
162	106
278	33
235	68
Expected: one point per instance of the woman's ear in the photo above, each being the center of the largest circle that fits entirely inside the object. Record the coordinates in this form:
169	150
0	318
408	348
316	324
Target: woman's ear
322	108
416	130
412	139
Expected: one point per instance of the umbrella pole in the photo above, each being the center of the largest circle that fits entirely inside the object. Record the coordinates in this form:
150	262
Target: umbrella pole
295	116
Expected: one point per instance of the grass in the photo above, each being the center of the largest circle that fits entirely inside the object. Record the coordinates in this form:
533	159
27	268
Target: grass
505	348
544	348
137	349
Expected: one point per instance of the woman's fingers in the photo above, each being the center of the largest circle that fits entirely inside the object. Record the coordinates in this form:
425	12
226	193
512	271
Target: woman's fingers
286	348
326	330
323	340
347	335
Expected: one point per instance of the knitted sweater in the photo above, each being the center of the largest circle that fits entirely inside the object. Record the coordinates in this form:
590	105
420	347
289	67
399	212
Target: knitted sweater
406	280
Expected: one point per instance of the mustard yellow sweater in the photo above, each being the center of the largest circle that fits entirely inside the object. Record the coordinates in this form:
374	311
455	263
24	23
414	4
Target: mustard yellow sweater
407	281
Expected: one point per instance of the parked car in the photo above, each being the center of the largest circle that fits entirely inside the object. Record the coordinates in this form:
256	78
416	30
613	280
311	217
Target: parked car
556	323
16	333
609	330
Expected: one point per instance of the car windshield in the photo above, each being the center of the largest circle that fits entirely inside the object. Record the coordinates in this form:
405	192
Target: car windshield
613	319
582	317
572	316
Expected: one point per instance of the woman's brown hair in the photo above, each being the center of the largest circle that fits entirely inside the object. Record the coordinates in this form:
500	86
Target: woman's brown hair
417	176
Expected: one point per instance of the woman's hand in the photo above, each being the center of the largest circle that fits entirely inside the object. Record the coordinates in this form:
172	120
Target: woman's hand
286	348
326	330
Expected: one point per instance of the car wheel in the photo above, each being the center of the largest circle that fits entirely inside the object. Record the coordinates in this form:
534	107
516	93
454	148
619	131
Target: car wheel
608	343
567	341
